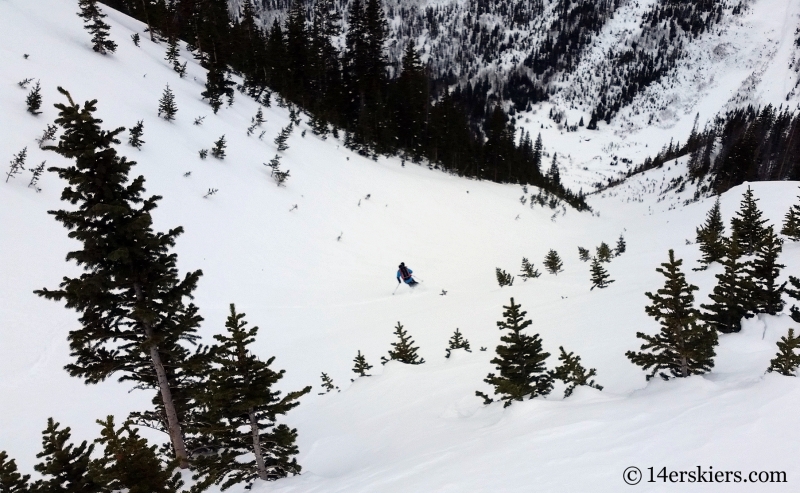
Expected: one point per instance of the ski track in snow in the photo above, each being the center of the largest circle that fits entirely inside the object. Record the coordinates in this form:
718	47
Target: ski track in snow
319	300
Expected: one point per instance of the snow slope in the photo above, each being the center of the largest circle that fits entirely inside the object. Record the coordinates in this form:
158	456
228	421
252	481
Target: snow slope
319	300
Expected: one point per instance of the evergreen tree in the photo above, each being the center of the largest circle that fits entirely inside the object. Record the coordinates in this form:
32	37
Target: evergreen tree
603	252
537	155
794	294
36	174
684	346
173	51
711	237
748	225
239	411
130	464
600	277
503	277
166	105
621	246
733	294
135	138
65	468
572	373
327	384
787	360
457	341
280	140
133	316
404	350
218	151
34	99
361	367
11	481
93	19
553	173
583	254
520	361
552	262
791	224
217	87
17	164
528	271
765	272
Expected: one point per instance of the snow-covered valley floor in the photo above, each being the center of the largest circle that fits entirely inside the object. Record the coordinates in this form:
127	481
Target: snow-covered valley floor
318	300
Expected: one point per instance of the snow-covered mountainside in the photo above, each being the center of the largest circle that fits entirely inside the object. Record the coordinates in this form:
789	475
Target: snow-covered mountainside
313	264
647	67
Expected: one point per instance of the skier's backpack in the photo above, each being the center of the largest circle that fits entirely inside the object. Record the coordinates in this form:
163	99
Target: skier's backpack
404	272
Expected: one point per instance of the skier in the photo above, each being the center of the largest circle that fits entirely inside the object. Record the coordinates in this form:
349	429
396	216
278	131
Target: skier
404	273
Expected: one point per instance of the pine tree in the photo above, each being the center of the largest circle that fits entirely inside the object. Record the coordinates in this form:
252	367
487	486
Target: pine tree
503	277
280	140
258	120
93	19
217	87
684	346
765	272
794	294
603	252
65	467
552	262
711	237
528	271
135	138
166	105
173	52
583	254
218	151
130	464
404	350
621	246
36	174
733	294
327	384
17	164
537	155
791	223
457	341
520	361
600	277
748	225
572	373
133	317
361	367
239	411
34	99
553	174
787	360
11	481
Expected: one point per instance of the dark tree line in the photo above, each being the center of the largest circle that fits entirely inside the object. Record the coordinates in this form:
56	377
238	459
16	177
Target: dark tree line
381	108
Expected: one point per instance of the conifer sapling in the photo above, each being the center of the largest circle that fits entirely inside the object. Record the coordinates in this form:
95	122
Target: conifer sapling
748	226
603	252
684	346
93	19
360	365
135	137
17	164
621	246
36	175
47	136
34	99
503	277
552	262
457	341
733	296
572	373
791	223
404	350
166	105
528	271
711	237
765	271
218	151
520	361
327	384
787	360
600	277
583	254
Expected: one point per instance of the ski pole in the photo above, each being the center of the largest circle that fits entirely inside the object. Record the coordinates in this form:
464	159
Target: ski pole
395	289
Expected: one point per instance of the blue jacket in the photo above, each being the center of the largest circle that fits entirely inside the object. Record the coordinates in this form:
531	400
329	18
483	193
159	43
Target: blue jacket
400	276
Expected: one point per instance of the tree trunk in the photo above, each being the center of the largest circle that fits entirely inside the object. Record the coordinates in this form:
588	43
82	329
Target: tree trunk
173	424
262	468
147	21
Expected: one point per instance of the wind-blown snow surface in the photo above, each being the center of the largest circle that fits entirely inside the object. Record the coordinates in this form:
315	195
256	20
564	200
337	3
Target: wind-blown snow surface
319	300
